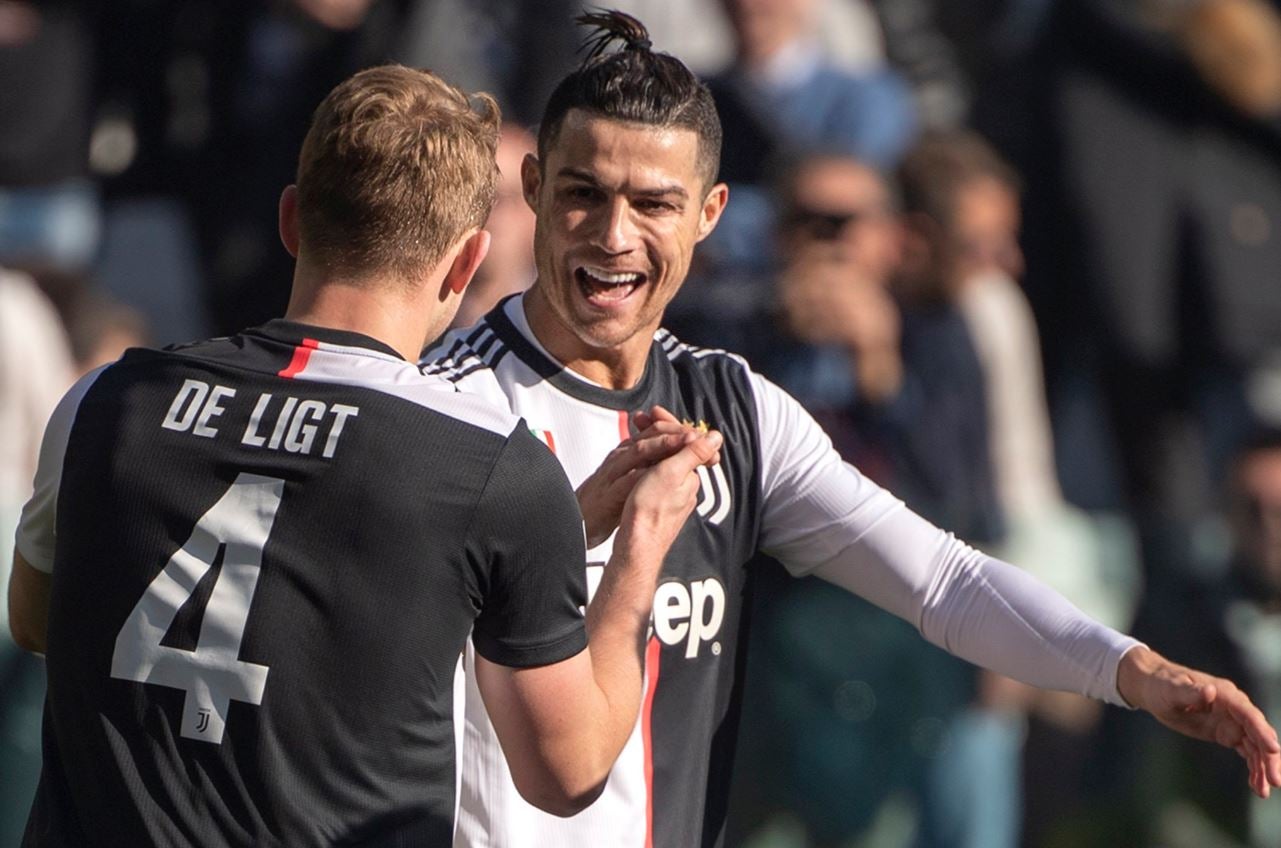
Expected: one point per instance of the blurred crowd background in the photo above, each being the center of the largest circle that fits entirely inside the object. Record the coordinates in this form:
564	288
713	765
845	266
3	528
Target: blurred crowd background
1019	257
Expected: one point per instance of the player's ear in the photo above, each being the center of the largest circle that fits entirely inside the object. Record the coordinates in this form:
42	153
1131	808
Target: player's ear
466	260
531	180
713	206
289	232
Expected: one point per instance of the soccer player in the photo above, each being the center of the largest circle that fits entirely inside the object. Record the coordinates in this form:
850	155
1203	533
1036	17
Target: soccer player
624	188
254	561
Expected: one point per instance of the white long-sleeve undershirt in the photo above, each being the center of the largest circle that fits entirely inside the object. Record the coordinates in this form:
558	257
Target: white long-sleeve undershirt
821	516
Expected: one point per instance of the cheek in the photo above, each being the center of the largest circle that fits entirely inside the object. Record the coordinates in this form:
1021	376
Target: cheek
673	244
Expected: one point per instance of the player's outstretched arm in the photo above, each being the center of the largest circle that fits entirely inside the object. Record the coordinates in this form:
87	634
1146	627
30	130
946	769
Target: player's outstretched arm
28	605
563	725
1204	707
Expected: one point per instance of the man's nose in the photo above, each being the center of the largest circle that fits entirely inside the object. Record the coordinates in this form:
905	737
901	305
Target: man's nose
615	232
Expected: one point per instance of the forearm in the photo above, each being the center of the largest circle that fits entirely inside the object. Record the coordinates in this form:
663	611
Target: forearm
979	608
617	620
28	605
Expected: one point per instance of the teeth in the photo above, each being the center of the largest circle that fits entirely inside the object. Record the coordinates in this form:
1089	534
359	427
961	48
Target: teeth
612	278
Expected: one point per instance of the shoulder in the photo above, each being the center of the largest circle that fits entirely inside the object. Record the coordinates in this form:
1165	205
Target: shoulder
727	374
710	361
464	353
407	383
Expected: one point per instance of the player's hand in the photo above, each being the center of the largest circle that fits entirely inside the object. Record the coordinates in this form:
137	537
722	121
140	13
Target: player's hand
664	496
602	495
1205	707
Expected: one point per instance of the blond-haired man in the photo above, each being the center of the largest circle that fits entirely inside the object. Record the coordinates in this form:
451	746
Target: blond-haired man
253	562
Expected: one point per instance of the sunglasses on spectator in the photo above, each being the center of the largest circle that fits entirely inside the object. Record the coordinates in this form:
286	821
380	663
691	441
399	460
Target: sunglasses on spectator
826	225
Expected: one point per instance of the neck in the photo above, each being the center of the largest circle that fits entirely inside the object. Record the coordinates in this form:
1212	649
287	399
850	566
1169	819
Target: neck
384	309
615	367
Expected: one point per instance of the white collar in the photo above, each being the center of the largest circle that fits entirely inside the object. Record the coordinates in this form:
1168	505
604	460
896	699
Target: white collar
515	311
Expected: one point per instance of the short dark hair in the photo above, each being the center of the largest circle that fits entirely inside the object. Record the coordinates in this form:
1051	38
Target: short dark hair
635	85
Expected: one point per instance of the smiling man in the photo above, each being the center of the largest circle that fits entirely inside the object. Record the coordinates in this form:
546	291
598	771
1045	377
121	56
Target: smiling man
253	562
624	188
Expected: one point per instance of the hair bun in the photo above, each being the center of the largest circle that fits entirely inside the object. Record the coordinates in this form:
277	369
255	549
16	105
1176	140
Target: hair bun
610	26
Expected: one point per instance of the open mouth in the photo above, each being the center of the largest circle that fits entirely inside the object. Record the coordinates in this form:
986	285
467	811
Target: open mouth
603	287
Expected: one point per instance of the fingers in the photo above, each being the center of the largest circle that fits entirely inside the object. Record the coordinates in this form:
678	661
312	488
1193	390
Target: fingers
649	447
659	413
1242	726
658	423
1259	743
1253	722
699	449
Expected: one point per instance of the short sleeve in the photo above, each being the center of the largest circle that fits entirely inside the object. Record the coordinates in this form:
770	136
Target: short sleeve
36	528
528	534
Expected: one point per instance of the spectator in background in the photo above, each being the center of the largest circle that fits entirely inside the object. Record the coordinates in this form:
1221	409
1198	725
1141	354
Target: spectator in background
203	107
1155	249
782	93
49	214
509	266
101	329
35	370
964	193
516	51
1231	616
900	392
1251	618
783	96
840	346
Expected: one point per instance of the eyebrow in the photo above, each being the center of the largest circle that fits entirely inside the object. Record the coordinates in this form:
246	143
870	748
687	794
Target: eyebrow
659	191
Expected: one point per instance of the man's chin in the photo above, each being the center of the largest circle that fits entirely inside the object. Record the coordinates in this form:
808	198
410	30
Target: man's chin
607	334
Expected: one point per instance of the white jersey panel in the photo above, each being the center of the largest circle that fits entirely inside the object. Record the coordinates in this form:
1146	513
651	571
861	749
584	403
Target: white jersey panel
818	515
491	813
35	537
370	369
822	517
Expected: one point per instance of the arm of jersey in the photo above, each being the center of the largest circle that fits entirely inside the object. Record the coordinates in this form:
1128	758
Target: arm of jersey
563	723
30	579
28	605
822	517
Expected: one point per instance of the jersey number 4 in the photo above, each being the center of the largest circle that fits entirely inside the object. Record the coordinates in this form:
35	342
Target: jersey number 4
212	675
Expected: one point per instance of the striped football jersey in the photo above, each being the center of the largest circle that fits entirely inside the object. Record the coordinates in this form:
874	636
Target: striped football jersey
670	786
267	554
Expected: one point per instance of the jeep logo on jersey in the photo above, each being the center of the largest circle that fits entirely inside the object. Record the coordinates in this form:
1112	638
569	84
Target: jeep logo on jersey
713	494
691	614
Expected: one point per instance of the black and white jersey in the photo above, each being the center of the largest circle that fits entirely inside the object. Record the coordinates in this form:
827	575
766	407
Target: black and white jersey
267	554
779	488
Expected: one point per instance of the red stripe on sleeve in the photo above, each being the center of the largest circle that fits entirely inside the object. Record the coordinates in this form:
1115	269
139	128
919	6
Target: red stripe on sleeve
624	428
301	354
652	653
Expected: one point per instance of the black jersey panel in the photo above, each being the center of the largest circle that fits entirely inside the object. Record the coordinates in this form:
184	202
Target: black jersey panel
323	529
532	534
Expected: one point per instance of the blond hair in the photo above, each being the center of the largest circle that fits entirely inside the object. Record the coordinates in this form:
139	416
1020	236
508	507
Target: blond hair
397	166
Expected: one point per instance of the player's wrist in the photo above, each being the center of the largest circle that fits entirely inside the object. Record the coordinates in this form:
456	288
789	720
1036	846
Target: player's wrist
1136	668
